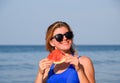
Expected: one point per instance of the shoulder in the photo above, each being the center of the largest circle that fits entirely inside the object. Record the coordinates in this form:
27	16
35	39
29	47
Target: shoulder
85	61
84	58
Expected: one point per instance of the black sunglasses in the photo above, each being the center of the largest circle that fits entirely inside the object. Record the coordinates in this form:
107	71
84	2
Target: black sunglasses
59	37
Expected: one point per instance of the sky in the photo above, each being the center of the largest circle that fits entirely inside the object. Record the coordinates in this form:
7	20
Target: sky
94	22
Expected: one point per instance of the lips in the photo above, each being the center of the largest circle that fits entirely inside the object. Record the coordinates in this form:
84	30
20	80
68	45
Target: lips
65	42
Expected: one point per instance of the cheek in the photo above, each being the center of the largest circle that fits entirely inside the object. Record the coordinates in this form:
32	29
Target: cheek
53	43
70	42
66	46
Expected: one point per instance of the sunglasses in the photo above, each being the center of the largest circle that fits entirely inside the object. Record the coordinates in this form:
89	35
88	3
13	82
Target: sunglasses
59	37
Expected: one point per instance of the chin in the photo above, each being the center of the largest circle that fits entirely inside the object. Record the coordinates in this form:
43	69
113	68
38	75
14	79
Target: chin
65	48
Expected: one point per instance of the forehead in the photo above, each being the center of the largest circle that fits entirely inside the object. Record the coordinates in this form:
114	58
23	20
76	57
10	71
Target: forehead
60	30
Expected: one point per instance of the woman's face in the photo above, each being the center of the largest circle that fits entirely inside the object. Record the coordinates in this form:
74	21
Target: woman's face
65	44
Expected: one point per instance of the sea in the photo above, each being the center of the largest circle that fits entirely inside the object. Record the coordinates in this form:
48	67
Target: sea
19	63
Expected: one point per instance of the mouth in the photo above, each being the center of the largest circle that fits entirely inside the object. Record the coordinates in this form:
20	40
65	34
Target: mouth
65	42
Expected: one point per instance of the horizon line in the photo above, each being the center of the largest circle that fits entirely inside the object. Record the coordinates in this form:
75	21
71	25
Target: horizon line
75	45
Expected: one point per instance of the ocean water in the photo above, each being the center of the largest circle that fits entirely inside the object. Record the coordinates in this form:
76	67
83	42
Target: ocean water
19	64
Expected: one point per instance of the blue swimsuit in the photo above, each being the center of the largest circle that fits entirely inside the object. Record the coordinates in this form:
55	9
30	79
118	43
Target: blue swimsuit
68	76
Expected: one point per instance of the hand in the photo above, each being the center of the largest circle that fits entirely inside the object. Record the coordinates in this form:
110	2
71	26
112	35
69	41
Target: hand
44	64
74	60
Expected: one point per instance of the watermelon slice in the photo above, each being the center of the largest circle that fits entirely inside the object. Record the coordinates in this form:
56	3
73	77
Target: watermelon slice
57	57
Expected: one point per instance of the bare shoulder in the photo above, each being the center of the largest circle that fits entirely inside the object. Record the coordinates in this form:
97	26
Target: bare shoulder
86	62
85	59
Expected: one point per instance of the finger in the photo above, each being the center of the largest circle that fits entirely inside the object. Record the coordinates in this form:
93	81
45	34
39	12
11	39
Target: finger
68	57
45	61
45	64
48	66
66	54
69	60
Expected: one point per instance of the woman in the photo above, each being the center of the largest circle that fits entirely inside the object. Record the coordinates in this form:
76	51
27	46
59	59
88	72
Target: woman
75	69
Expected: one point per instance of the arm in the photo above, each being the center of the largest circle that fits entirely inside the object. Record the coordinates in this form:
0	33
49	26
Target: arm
42	74
86	70
39	78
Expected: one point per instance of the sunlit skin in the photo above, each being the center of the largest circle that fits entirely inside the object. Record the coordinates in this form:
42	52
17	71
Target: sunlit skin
83	65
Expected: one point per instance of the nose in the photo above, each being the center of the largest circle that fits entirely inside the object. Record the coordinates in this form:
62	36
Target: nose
64	38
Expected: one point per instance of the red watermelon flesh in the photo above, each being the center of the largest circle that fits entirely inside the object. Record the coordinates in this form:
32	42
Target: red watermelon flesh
57	57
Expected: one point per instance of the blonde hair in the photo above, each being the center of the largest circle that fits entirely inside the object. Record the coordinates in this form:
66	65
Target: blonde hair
51	29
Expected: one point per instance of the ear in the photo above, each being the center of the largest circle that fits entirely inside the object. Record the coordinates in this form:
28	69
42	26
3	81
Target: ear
52	43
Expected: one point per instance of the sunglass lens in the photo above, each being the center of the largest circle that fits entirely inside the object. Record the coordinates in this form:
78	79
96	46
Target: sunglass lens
69	35
59	37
